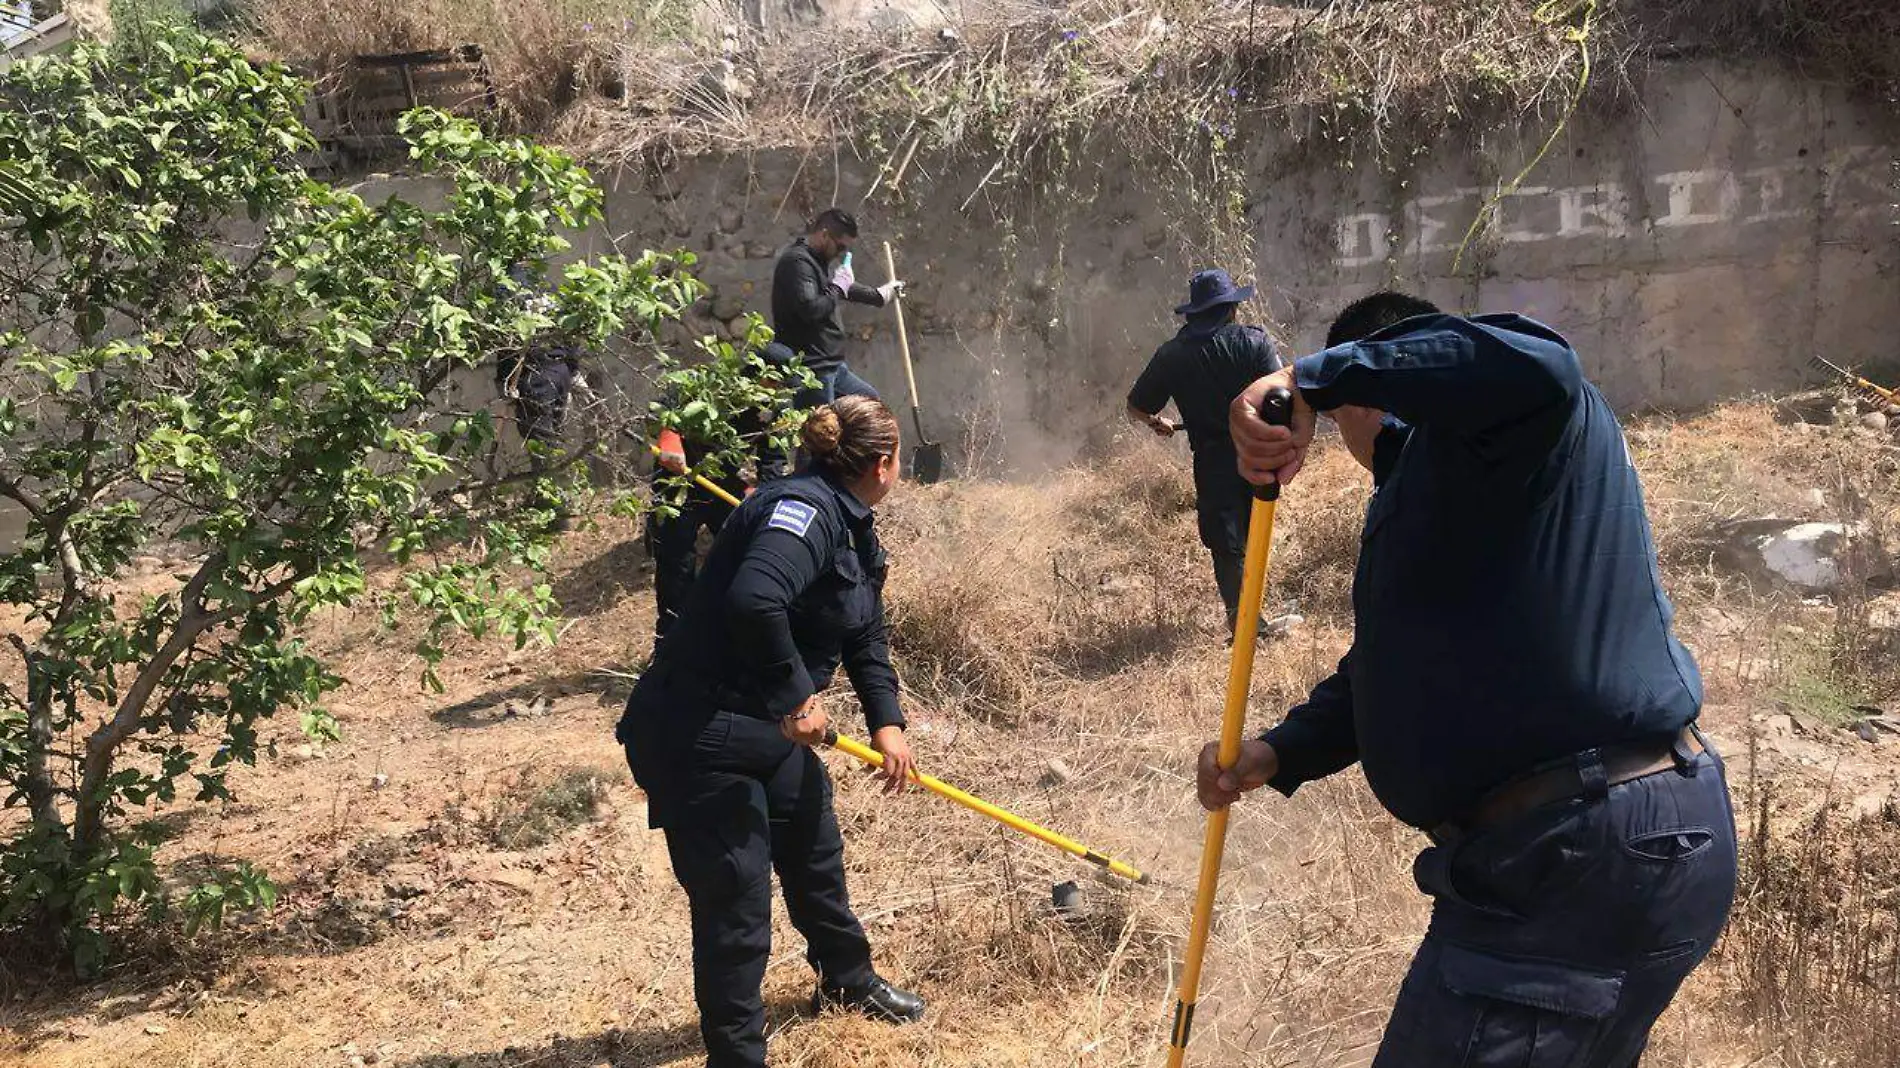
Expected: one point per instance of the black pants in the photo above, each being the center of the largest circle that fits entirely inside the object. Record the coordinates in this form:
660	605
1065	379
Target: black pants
753	804
1223	523
1557	939
675	545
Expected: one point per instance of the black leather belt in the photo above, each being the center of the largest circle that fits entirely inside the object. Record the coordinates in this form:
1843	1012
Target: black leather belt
1587	775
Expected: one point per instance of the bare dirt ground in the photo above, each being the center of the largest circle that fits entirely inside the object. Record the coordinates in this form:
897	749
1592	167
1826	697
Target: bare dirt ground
469	881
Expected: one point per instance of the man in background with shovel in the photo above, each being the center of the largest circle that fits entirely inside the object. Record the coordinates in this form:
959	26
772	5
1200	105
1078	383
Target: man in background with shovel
1202	369
1514	689
810	284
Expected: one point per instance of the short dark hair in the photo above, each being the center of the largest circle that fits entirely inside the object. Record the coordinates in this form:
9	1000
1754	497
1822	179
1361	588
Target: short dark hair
1369	315
835	221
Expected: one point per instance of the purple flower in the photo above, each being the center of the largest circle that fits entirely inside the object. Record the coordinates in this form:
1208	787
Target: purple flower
587	27
1233	94
1070	35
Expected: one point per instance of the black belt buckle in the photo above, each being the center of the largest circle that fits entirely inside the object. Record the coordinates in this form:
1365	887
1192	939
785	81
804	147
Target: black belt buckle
1685	756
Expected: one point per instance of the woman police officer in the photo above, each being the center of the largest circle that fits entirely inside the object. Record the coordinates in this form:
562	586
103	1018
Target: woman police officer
719	729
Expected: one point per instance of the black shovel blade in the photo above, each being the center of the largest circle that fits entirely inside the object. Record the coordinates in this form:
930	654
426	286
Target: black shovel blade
926	463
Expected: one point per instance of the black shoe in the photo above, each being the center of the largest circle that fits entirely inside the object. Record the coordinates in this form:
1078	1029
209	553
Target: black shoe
877	999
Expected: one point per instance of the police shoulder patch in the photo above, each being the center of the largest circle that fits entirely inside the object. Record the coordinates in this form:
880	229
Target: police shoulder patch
795	516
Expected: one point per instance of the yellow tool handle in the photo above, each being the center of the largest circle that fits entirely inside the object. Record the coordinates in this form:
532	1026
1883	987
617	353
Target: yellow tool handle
858	750
1253	588
903	337
1888	395
707	484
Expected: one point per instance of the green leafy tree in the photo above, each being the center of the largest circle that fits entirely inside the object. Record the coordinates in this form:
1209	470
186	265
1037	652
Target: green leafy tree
201	345
710	401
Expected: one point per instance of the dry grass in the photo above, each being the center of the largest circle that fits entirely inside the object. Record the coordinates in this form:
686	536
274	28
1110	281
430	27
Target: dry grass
1071	618
1813	949
1026	88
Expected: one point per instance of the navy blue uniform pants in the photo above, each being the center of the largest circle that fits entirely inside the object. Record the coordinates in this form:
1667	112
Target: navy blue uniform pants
755	803
834	382
674	542
1222	517
1558	938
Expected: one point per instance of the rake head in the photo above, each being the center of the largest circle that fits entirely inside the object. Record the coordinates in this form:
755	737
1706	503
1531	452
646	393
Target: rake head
1821	363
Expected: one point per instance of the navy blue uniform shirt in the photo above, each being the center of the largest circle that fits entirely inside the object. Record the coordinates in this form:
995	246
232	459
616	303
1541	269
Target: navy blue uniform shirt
1508	606
793	589
805	306
1202	374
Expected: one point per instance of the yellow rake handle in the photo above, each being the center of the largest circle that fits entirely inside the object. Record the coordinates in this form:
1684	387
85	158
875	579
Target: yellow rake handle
706	484
859	751
1253	587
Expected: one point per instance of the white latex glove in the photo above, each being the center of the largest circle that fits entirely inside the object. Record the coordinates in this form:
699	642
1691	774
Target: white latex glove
844	278
891	290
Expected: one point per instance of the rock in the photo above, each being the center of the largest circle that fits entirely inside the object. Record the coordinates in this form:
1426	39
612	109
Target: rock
493	873
378	781
534	708
1780	725
758	250
1056	773
736	327
1280	625
1871	804
1066	897
728	306
1874	421
1817	500
1865	732
731	219
156	1029
1807	557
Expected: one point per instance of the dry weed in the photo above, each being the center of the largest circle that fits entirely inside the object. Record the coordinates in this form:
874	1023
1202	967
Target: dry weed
1813	948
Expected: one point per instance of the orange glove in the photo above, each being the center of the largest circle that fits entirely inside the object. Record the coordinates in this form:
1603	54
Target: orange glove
672	451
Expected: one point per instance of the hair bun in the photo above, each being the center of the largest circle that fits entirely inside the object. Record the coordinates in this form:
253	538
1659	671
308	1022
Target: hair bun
823	431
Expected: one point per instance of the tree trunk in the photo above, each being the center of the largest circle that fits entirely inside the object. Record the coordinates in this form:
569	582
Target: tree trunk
41	795
102	746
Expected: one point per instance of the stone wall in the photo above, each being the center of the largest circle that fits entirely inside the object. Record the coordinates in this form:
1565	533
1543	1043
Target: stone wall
1697	247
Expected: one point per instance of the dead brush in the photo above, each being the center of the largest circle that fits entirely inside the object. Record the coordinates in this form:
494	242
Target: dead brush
1813	946
538	807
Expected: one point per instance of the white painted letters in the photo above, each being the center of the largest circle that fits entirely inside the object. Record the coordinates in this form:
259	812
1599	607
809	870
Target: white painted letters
1850	182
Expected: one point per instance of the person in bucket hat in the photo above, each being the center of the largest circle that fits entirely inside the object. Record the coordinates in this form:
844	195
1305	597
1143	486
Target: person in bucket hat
1202	369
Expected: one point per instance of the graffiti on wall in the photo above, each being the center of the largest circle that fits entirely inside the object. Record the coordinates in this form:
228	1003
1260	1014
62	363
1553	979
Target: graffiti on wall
1849	183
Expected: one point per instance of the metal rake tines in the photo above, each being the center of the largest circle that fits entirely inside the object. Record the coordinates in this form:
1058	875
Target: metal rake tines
1824	364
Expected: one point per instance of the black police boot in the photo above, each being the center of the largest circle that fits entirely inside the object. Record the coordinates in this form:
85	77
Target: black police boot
877	999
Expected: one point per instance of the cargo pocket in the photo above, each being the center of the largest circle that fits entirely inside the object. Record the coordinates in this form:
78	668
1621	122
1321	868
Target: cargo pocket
720	846
1515	1012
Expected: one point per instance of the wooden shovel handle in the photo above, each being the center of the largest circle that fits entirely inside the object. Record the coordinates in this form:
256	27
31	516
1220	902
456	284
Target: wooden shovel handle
903	339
